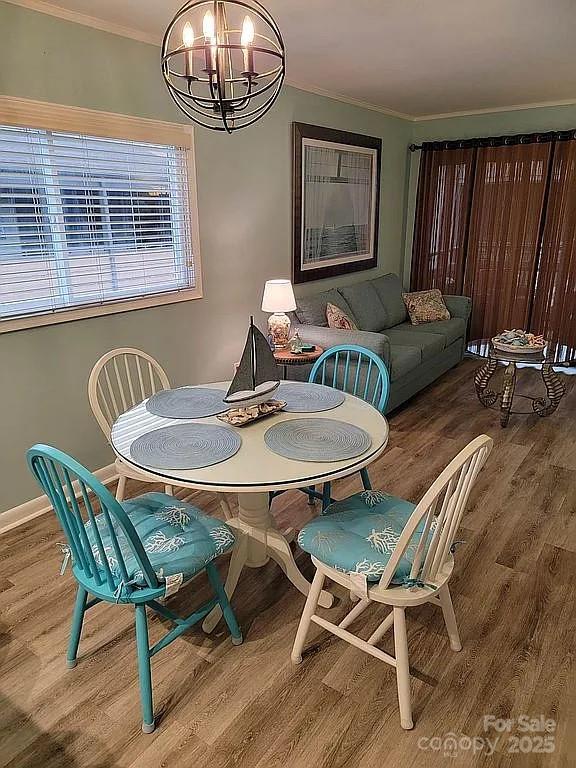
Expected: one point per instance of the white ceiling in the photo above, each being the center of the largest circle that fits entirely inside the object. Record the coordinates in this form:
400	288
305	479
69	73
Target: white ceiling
415	57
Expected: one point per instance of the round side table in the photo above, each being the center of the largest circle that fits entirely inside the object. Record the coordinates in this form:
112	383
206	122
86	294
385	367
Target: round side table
555	354
285	358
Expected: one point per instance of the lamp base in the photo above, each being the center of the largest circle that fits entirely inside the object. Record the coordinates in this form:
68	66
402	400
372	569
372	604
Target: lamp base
279	329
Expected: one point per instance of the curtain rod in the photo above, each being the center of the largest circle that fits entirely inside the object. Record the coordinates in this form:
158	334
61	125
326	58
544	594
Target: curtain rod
497	141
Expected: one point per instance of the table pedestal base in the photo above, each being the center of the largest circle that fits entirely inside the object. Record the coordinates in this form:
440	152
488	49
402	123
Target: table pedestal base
258	540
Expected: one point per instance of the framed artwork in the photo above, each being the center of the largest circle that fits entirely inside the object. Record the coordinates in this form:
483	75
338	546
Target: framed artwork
336	191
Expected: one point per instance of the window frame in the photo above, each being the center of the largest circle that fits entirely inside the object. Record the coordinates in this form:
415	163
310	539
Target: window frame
27	113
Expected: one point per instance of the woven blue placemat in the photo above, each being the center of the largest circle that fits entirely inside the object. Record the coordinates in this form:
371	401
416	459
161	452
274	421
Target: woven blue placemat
185	446
187	403
302	397
317	440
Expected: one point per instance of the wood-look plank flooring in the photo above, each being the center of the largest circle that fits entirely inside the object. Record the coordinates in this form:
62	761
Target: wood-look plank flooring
248	707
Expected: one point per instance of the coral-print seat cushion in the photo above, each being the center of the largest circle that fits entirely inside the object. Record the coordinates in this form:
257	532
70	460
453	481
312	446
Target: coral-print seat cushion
359	534
177	537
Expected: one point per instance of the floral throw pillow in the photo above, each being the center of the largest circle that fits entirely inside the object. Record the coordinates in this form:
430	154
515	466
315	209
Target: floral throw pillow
426	306
337	318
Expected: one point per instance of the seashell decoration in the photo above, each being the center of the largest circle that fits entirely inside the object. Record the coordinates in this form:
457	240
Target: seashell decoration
522	341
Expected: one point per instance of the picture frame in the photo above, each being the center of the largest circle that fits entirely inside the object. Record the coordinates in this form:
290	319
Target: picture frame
336	202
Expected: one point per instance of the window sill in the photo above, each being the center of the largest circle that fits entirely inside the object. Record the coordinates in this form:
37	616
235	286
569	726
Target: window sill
128	305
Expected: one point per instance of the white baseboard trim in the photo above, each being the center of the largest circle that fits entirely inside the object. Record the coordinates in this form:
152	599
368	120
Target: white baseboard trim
40	505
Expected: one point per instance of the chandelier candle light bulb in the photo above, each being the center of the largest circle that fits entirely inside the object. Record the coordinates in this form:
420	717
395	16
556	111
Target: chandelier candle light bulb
208	30
188	40
246	41
279	298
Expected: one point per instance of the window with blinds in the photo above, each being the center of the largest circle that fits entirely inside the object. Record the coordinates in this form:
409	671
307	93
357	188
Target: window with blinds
87	221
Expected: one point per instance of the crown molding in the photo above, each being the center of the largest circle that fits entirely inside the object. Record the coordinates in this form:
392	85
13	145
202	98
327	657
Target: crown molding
348	100
41	6
493	110
88	21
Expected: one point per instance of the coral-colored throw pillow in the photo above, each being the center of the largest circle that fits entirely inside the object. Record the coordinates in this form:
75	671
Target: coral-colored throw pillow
337	318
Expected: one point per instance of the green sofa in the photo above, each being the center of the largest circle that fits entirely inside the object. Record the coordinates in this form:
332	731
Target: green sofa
415	355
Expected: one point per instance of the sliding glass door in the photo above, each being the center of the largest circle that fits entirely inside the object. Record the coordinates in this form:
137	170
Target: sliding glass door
505	222
496	220
554	305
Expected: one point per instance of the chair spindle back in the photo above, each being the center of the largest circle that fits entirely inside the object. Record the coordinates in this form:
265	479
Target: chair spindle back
71	489
356	370
121	379
439	514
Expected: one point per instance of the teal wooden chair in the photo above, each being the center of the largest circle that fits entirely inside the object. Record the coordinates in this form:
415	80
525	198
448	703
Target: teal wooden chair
358	371
135	552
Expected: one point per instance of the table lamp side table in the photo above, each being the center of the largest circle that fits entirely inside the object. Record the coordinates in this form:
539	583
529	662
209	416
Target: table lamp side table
286	358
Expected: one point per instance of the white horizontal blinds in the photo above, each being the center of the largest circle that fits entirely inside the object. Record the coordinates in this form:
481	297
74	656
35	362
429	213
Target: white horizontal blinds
86	220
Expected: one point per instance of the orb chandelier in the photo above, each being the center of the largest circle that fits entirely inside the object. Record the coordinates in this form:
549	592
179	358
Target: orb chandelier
223	62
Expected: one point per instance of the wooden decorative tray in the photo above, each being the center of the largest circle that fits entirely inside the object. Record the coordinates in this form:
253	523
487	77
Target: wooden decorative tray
529	348
241	417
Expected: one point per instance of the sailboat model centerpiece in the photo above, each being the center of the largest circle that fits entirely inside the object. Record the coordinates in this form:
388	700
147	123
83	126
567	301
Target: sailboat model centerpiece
257	376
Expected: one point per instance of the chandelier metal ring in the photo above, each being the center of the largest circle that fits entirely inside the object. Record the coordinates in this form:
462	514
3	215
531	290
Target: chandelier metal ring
213	77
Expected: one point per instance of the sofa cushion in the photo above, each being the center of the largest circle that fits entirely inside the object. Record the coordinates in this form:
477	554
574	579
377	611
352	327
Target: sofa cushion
403	359
311	310
389	288
366	306
430	344
452	329
458	306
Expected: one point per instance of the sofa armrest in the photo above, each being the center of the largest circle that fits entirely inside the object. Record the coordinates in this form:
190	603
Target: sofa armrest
459	306
332	337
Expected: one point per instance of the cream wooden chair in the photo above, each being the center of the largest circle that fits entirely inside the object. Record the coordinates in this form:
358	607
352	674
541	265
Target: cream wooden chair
119	380
411	564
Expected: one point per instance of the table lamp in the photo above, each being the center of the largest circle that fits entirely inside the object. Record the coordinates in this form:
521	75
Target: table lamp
278	298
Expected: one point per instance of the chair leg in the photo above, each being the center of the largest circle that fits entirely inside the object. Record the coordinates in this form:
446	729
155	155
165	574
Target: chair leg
326	496
77	621
365	479
449	618
169	489
307	613
352	615
311	498
144	671
228	613
121	488
402	668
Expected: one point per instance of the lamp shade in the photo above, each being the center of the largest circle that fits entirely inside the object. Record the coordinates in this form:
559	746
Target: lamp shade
278	296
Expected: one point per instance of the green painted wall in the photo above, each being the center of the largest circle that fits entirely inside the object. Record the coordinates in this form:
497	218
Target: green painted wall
473	126
244	190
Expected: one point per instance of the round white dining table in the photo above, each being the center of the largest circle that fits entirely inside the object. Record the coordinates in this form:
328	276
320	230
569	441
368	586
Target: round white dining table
252	473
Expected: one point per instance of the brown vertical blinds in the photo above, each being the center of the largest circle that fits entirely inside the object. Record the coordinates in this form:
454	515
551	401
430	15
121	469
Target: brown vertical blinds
441	219
554	310
508	195
496	220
